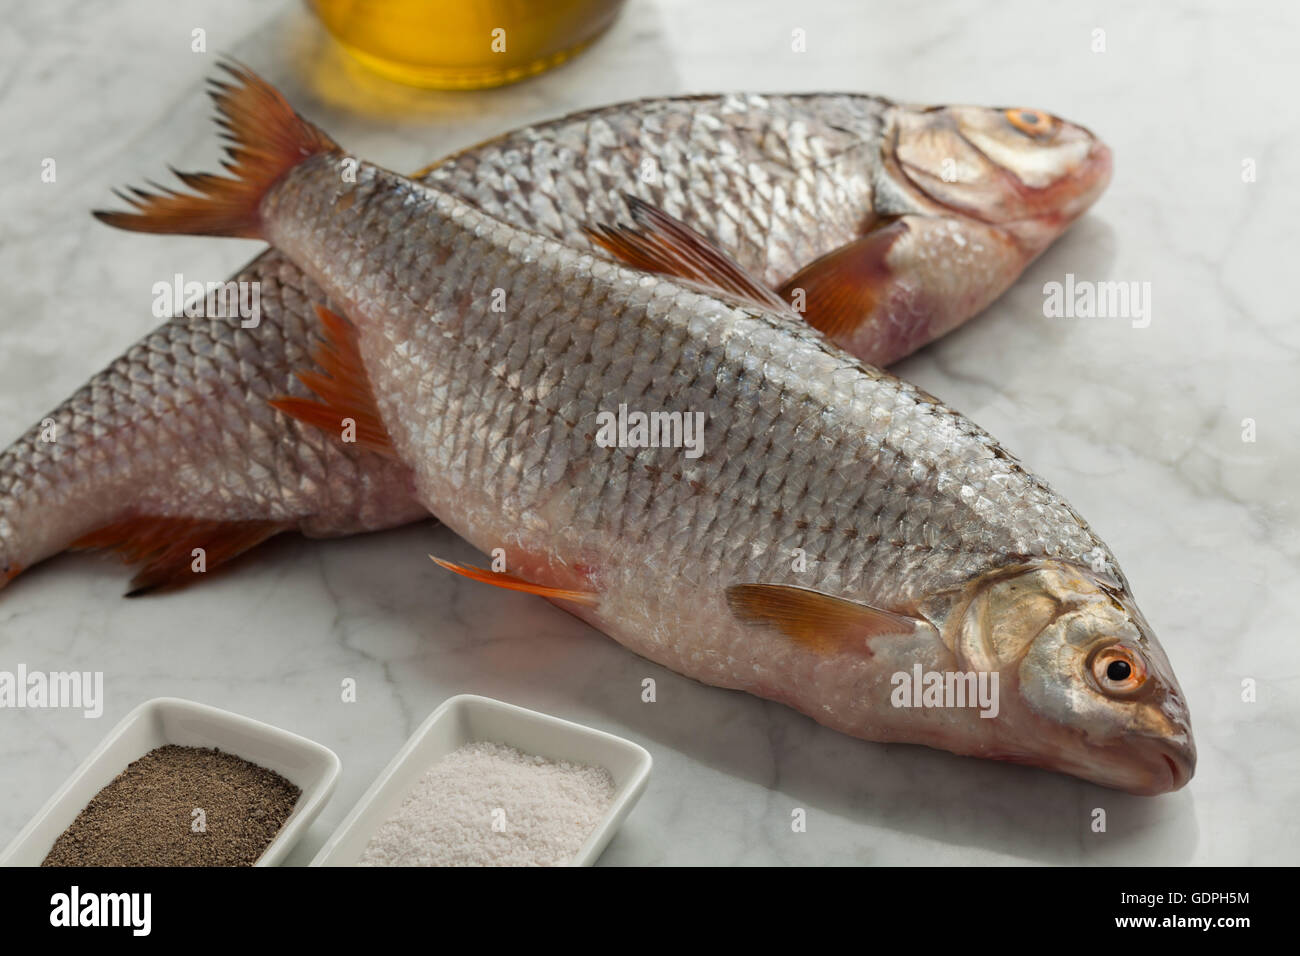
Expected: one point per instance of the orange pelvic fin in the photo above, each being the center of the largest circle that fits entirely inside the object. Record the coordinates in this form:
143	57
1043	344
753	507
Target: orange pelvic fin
265	139
512	583
660	243
166	546
842	288
343	388
820	622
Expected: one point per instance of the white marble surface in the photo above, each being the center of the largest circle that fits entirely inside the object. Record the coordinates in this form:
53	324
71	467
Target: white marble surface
1139	428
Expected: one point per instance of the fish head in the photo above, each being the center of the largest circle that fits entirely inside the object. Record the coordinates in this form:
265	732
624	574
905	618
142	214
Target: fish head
1023	170
1085	687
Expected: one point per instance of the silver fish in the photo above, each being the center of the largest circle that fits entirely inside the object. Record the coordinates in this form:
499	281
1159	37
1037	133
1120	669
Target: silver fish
175	445
838	531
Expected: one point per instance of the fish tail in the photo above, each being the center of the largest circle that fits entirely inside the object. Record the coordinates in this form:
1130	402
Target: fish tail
264	139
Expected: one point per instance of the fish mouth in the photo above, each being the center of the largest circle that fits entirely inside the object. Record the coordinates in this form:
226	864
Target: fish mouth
1145	767
1148	769
1179	759
1072	195
1143	764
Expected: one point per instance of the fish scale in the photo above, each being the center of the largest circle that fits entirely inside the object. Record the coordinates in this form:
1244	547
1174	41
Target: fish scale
471	393
779	180
712	156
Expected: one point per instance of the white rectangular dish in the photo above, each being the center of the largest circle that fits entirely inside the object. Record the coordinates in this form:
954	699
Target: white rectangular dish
170	720
468	718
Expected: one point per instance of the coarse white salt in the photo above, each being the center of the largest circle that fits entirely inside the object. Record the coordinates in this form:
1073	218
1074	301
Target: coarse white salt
487	804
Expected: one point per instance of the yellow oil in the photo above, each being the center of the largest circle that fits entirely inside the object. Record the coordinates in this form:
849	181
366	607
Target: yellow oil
464	44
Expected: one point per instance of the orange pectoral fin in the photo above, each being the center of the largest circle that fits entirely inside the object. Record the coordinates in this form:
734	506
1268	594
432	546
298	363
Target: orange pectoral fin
842	288
660	243
166	546
343	388
512	583
820	622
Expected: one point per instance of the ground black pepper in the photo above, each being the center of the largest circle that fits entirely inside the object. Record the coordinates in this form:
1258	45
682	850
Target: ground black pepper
146	815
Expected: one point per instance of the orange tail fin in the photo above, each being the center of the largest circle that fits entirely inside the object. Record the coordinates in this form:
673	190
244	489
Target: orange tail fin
265	139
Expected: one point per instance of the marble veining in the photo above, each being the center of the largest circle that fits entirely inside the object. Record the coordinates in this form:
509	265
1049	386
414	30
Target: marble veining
1140	428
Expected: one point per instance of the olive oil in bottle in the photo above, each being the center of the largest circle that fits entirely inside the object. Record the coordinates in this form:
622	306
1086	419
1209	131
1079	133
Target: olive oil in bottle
464	44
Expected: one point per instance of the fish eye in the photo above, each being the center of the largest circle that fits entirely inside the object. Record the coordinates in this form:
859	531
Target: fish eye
1031	122
1118	669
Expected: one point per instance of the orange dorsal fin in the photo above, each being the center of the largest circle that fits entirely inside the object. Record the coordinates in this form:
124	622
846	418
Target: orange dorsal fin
165	546
510	582
820	622
342	386
660	243
265	139
842	288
